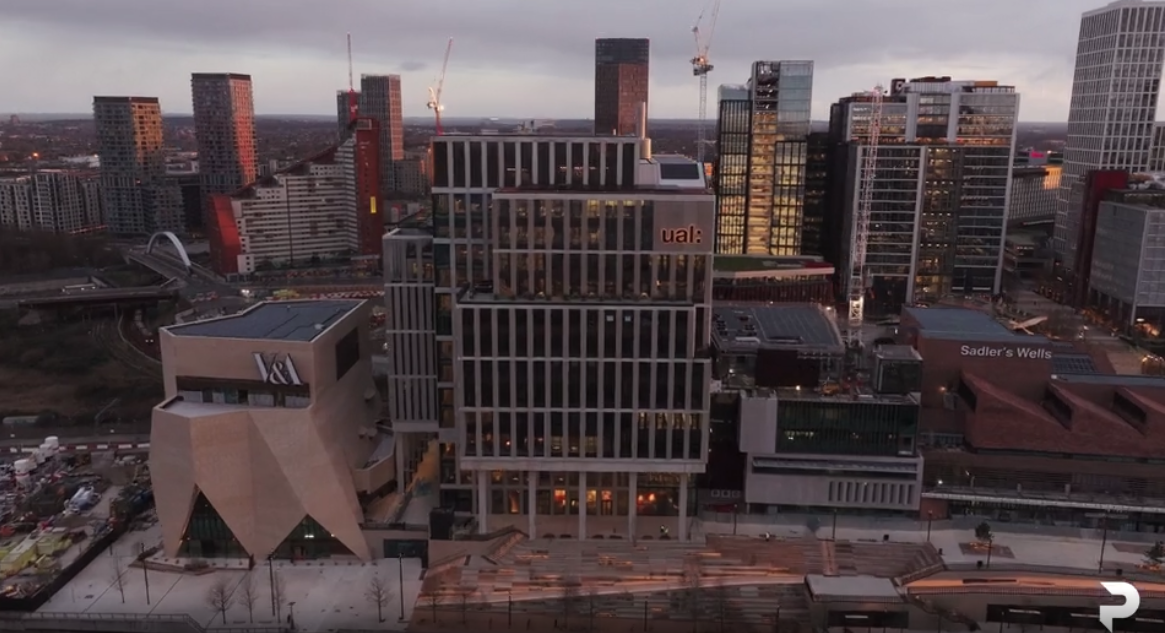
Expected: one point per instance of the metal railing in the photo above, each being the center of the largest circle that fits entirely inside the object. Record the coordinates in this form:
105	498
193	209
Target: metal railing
163	622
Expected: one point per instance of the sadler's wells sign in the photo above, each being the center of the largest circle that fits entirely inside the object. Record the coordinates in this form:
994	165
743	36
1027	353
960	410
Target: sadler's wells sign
990	351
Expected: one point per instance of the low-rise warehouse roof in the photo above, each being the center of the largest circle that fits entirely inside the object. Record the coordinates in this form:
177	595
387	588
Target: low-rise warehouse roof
744	328
962	324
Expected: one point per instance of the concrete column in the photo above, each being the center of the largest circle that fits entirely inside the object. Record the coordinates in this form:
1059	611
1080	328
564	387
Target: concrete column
402	450
532	510
582	505
481	478
633	492
683	526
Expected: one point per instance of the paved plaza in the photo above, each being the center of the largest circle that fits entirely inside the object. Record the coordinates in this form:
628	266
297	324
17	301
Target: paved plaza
327	595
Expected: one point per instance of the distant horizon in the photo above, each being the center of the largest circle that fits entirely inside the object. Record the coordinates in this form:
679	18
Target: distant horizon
80	116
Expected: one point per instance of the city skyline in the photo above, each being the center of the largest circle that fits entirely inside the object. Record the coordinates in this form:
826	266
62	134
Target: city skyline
528	67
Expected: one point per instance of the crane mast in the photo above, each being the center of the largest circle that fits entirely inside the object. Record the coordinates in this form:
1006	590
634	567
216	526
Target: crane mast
435	92
353	102
700	68
856	288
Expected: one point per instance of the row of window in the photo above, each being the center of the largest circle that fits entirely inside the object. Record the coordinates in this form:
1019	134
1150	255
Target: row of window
592	333
596	435
591	384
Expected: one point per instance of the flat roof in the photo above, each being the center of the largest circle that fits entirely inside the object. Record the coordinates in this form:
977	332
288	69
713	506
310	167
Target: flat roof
762	263
964	324
297	321
852	587
793	325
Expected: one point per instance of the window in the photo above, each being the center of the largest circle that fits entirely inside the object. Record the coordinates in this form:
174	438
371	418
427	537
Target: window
347	353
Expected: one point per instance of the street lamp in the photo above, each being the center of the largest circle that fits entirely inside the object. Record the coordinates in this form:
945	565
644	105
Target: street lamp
1103	540
291	614
833	535
929	521
990	546
400	569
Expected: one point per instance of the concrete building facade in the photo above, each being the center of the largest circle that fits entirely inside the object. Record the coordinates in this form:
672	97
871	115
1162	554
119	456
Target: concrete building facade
579	370
1115	90
1127	281
54	201
268	441
137	197
224	128
320	209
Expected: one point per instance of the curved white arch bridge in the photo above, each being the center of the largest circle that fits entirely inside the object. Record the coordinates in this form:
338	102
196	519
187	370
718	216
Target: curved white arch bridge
177	246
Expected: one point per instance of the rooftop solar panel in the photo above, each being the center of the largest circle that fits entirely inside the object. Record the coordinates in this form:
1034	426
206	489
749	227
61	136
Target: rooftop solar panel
1073	364
300	321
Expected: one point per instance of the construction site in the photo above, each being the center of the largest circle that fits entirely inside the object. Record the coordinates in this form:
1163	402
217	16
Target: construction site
59	510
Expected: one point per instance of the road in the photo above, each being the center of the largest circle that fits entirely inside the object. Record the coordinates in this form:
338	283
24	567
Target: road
80	444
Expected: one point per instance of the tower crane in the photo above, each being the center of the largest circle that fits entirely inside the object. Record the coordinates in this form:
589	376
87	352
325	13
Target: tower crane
435	92
353	101
701	67
856	288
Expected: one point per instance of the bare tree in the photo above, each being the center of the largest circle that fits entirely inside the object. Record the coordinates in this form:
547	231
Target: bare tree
249	594
278	595
464	599
571	590
722	605
377	594
219	597
117	576
693	592
592	605
434	599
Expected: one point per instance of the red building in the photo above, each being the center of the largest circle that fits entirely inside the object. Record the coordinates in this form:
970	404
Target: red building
366	173
1022	428
1097	184
321	210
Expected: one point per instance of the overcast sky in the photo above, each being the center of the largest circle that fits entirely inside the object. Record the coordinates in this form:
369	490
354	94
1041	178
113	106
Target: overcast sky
518	58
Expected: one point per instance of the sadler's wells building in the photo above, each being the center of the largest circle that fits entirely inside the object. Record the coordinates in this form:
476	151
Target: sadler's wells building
1026	429
268	442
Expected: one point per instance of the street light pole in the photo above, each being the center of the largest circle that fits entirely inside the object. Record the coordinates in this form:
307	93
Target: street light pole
271	573
833	535
1103	541
400	568
291	614
990	546
929	521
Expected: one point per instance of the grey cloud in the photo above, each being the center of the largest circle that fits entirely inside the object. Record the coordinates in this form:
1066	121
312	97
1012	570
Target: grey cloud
411	66
557	36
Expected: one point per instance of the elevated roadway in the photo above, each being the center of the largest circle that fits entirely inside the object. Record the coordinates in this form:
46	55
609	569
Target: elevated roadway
102	296
71	445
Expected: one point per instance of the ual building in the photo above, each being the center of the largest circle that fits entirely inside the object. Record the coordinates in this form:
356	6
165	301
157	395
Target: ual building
268	442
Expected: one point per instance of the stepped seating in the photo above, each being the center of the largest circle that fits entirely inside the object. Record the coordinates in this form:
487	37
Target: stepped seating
500	549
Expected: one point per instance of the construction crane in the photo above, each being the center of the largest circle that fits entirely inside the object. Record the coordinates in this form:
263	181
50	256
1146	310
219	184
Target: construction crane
701	67
435	92
353	101
856	290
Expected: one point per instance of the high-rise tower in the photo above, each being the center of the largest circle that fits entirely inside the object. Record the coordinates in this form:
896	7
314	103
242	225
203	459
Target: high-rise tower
380	99
1115	91
621	83
224	127
137	198
763	133
941	188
